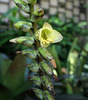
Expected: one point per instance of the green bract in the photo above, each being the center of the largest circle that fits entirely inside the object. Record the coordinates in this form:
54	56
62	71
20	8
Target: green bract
34	67
37	15
22	5
36	80
44	53
46	68
39	93
47	95
30	53
27	41
24	26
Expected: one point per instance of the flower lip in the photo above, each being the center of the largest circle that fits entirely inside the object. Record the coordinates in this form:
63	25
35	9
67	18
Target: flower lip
45	33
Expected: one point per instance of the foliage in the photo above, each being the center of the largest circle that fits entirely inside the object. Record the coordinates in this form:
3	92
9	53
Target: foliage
12	83
70	49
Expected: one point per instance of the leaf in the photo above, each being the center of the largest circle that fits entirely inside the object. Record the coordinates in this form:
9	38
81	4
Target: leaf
81	24
15	74
4	65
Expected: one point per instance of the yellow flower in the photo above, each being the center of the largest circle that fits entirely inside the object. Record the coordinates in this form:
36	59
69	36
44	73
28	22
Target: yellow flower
47	35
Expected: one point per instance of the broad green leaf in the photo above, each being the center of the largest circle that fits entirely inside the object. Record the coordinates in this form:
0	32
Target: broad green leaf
4	65
15	74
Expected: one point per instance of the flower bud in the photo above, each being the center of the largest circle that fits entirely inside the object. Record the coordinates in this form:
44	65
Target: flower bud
24	26
34	67
32	2
22	5
45	54
29	53
27	41
36	80
37	15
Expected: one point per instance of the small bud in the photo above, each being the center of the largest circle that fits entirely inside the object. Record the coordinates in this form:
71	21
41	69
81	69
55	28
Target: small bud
22	5
37	15
27	41
45	54
29	53
32	2
38	93
36	80
33	67
24	26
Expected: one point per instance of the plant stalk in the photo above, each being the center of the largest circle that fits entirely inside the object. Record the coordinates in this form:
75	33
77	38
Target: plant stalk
36	44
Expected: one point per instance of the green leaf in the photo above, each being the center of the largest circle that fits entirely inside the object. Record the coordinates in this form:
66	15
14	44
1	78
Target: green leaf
4	65
81	24
15	74
24	87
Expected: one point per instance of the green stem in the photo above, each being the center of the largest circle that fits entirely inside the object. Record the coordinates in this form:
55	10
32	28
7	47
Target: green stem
34	24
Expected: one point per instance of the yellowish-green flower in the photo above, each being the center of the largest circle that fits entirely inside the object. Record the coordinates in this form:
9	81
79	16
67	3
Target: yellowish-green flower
47	35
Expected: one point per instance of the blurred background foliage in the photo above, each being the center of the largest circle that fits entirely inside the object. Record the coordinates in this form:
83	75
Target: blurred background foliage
71	56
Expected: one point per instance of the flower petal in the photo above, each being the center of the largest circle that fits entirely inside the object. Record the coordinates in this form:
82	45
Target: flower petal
47	25
56	36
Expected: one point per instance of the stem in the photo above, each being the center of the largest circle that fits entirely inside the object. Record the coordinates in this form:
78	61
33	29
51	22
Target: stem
34	24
